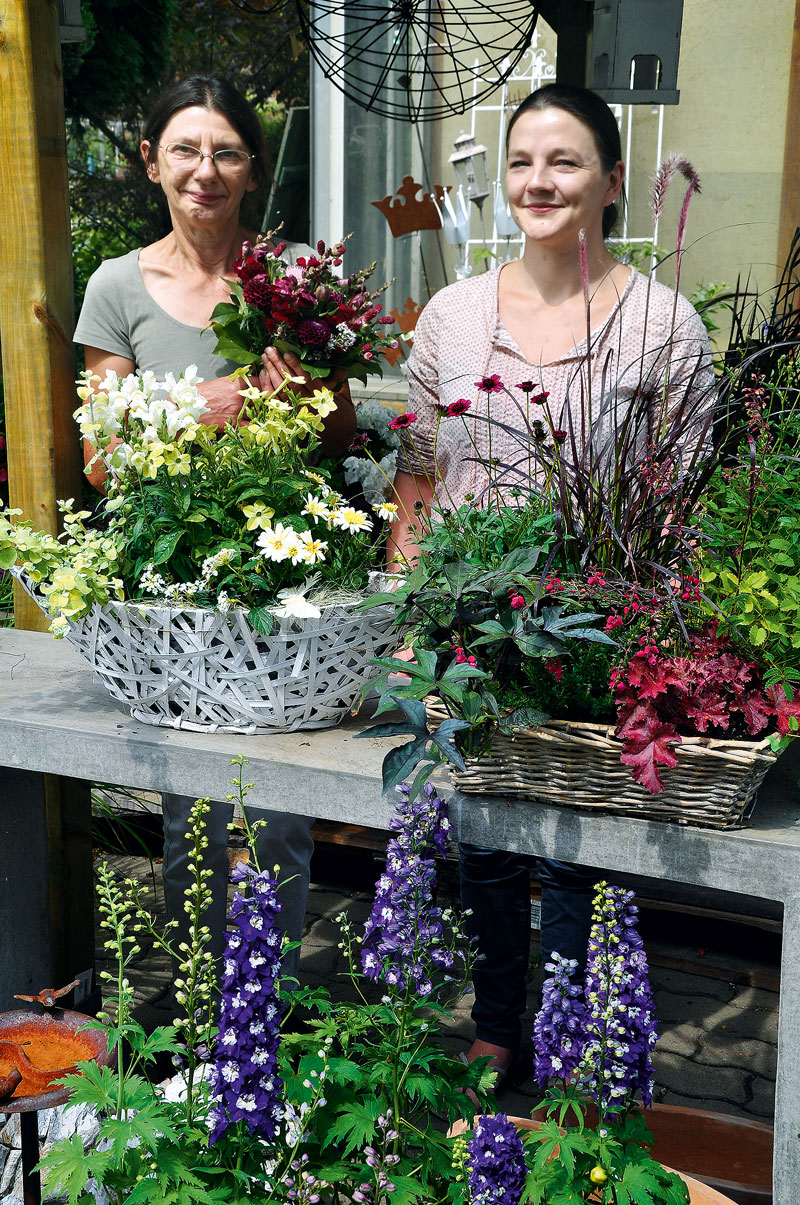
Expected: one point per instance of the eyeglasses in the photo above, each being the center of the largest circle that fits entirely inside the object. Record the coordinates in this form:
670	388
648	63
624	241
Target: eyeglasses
225	160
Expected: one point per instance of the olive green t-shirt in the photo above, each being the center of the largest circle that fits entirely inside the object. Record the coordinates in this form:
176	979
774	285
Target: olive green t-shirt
119	316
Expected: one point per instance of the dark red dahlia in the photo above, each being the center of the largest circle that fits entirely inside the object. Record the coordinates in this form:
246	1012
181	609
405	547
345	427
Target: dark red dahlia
313	333
257	292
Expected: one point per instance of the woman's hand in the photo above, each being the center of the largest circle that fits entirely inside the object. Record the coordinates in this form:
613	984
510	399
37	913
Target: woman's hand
340	425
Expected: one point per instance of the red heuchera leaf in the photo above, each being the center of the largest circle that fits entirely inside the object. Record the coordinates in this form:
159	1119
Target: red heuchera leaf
712	686
650	678
635	720
757	711
707	706
645	754
784	708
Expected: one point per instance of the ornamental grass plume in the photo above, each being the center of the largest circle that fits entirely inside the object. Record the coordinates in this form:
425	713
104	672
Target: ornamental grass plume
402	940
246	1084
620	1021
496	1162
558	1032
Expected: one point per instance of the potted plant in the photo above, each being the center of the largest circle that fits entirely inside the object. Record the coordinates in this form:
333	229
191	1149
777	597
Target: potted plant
346	1105
215	587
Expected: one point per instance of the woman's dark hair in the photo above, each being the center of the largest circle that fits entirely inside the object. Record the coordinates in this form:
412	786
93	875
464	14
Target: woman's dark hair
595	114
208	92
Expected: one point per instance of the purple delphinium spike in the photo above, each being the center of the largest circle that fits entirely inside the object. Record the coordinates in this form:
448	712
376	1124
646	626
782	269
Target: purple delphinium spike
558	1033
620	1020
246	1084
403	925
495	1162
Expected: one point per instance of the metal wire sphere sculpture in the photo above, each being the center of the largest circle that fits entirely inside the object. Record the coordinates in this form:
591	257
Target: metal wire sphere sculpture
417	60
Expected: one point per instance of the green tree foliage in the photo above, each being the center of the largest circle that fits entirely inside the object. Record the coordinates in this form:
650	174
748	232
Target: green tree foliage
132	50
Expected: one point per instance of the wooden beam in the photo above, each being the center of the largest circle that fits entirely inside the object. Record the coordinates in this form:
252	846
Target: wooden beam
790	190
36	294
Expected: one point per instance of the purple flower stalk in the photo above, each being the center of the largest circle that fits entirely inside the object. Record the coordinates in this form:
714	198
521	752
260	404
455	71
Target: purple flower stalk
495	1162
246	1084
402	935
558	1033
620	1020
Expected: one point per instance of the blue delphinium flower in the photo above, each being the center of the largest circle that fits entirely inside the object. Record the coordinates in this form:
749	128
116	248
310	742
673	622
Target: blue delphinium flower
558	1033
620	1019
495	1162
246	1084
403	933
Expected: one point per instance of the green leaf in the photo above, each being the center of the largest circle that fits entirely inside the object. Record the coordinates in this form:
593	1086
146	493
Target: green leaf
399	762
165	546
441	738
66	1167
458	574
261	620
8	557
523	717
354	1124
520	560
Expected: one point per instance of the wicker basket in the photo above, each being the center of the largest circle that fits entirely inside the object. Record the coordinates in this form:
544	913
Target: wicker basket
211	672
714	784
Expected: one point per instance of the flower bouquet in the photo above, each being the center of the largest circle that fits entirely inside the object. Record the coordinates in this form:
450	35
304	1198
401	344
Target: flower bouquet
217	585
331	322
287	1096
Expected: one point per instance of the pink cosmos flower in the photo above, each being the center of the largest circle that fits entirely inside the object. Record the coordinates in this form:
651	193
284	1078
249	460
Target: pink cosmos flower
491	384
402	420
456	408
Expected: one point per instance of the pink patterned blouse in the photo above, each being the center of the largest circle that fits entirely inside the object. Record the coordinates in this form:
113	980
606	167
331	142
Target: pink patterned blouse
652	346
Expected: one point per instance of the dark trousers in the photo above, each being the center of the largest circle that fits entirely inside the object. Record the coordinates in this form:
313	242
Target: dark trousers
496	886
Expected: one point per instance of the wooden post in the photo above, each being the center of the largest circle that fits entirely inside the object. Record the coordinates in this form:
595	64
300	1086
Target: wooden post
790	191
36	297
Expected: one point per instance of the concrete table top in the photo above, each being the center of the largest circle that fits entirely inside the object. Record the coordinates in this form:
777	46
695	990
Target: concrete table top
55	719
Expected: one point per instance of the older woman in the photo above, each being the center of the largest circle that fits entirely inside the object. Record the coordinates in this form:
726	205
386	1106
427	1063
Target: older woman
526	322
150	309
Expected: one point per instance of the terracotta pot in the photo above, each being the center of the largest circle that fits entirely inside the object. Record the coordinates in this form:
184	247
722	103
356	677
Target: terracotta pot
731	1154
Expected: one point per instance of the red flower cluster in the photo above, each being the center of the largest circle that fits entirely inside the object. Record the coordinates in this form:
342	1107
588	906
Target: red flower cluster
462	658
711	688
331	322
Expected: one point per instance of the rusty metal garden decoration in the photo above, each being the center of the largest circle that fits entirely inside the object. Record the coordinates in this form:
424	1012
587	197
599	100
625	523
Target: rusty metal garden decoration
38	1048
417	60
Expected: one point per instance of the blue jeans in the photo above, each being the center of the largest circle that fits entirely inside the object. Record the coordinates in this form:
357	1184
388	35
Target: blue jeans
286	841
496	886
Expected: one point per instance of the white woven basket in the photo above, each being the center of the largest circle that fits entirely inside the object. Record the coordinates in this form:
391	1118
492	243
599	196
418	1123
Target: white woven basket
211	672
